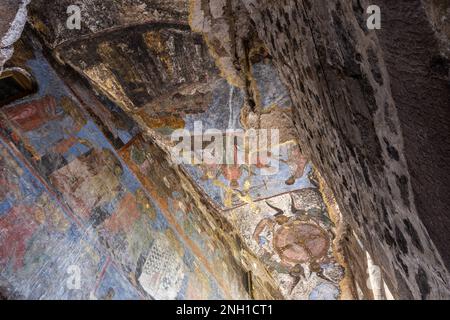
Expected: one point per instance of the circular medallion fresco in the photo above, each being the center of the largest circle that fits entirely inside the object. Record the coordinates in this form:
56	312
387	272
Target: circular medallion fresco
298	242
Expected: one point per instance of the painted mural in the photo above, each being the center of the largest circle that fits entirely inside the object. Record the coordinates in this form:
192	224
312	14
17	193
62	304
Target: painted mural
41	243
87	195
72	203
231	186
281	217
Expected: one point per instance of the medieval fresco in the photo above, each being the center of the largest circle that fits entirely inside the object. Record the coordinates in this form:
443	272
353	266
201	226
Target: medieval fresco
78	205
39	241
120	216
233	185
224	149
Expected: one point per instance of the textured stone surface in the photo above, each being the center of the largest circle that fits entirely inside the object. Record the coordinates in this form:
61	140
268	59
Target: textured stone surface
438	12
100	16
14	17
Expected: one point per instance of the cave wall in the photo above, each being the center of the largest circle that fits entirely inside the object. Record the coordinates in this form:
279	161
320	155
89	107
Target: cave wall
372	111
370	107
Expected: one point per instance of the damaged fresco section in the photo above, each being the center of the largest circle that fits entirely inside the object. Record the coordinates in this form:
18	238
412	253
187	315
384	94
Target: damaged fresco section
49	17
14	17
292	235
236	189
166	64
180	101
201	225
39	241
162	76
80	199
